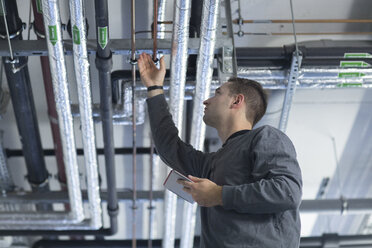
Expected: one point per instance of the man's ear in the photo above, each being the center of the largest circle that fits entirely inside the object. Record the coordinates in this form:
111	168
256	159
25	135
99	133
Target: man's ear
239	99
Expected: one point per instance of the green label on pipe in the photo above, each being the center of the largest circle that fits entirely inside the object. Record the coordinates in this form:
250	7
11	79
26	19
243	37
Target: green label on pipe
354	64
53	34
345	85
350	74
357	55
76	35
39	8
102	37
1	10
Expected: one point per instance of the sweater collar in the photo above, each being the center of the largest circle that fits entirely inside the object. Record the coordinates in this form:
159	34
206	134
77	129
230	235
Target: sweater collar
238	133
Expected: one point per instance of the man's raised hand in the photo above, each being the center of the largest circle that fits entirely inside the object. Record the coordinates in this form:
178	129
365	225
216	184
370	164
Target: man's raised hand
150	74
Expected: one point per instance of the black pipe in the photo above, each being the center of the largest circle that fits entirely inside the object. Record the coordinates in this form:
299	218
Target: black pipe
104	66
80	152
23	102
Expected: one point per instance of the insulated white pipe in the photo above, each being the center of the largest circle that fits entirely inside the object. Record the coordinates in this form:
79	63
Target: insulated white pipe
161	18
204	74
180	38
81	62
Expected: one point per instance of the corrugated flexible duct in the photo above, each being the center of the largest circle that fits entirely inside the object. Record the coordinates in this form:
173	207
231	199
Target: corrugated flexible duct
202	91
86	114
177	92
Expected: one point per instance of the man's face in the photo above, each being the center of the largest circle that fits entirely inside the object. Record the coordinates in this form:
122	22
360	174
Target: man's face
217	106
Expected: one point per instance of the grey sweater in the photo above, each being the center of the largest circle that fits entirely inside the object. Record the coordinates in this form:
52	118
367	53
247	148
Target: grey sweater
261	182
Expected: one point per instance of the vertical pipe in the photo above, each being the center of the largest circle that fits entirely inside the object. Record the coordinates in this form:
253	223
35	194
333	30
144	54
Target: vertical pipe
52	23
203	85
81	62
155	36
23	103
104	66
48	86
177	92
134	158
161	18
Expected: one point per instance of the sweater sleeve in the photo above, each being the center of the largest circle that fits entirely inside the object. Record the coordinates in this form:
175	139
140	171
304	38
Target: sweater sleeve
277	183
171	149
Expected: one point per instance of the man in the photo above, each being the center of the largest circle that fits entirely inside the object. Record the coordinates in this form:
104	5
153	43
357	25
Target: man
250	189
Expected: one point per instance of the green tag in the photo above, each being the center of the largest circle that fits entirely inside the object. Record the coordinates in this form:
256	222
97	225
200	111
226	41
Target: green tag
39	7
354	64
350	74
1	10
357	55
53	34
349	85
102	37
76	35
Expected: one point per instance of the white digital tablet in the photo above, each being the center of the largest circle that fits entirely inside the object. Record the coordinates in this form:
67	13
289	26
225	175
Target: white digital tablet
171	184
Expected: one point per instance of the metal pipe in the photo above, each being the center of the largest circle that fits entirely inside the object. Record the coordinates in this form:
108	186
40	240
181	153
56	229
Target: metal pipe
307	33
155	34
85	103
161	18
134	132
22	99
236	21
179	57
104	66
52	23
203	84
151	194
48	86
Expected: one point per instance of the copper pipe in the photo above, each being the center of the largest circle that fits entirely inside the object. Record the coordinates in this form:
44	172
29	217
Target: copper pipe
154	36
134	132
236	21
151	196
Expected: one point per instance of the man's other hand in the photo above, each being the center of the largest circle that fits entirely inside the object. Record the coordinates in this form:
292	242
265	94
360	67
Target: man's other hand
150	74
205	192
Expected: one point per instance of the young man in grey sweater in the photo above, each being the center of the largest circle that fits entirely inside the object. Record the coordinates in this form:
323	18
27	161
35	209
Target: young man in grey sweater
249	191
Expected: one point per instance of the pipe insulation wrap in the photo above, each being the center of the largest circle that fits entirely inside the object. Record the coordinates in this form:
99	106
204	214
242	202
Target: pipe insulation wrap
81	63
179	55
161	18
202	91
52	24
310	77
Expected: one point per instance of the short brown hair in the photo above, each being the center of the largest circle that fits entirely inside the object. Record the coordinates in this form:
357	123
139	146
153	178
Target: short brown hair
255	97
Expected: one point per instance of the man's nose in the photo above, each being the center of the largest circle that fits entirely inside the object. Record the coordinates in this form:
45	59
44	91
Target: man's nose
205	102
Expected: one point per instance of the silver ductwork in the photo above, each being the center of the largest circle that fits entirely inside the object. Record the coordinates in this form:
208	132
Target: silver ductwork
81	62
179	55
310	77
204	72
